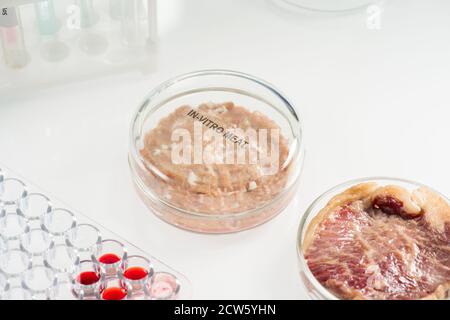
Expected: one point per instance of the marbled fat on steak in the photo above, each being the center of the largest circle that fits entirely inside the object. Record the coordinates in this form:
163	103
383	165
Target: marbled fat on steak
373	242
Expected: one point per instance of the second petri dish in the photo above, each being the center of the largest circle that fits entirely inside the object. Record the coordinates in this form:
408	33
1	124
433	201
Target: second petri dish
376	239
330	5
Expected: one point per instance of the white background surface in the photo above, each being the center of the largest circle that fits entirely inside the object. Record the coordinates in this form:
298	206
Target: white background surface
373	102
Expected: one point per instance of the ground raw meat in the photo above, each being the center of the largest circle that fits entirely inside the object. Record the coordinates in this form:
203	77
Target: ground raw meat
212	188
373	242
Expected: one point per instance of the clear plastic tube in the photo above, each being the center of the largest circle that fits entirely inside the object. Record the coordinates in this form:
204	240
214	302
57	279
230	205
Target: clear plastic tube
133	23
115	9
88	15
47	22
12	38
152	21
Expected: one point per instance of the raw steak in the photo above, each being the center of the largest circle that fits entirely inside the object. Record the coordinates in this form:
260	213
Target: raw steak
373	242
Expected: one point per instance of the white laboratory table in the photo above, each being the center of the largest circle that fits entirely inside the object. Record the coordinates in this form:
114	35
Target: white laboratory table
372	101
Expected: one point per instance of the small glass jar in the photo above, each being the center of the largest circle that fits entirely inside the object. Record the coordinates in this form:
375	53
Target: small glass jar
216	151
313	287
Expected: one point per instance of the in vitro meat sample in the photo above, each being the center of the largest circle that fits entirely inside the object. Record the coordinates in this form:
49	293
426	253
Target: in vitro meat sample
381	242
216	151
217	159
219	186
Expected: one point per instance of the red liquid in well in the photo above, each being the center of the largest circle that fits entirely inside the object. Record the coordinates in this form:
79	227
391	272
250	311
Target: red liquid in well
135	273
109	258
88	277
114	293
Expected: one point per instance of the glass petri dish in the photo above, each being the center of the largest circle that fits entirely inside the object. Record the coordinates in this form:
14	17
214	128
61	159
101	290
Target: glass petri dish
330	5
216	151
313	287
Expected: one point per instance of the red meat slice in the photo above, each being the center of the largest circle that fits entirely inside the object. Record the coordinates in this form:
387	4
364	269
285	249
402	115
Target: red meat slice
387	243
